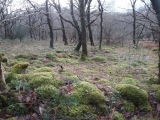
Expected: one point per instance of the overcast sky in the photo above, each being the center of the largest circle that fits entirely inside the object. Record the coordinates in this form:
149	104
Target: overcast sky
117	5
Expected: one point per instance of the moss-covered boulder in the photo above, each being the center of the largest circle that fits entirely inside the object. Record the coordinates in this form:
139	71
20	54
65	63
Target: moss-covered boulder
134	94
88	94
47	91
127	80
19	68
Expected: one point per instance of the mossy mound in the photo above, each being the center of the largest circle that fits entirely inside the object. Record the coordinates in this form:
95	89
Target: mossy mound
26	56
127	80
153	81
78	112
51	56
19	68
46	78
12	76
99	59
128	106
134	94
88	94
47	91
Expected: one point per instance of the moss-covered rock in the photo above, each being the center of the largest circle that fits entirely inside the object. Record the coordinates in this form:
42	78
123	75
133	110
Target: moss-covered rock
19	68
117	116
47	91
88	94
132	93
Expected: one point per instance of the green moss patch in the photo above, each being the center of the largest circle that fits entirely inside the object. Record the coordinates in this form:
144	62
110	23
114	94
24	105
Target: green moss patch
88	94
99	59
19	68
47	91
127	80
132	93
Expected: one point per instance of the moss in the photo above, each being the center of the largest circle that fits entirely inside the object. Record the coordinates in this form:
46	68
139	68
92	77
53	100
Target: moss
83	57
13	62
155	87
128	106
157	95
127	80
112	58
36	62
89	71
67	60
133	94
47	91
51	64
78	112
44	69
88	94
99	59
12	76
51	56
152	81
4	59
110	71
72	79
26	56
38	79
19	68
117	116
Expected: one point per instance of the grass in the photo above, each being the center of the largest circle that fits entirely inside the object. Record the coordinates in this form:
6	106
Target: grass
109	66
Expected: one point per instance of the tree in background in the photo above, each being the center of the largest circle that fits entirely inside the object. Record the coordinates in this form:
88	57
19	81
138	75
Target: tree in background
82	6
101	10
156	7
89	25
49	25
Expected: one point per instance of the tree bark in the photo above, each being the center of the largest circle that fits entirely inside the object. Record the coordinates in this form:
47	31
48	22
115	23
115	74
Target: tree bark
89	25
77	27
156	7
3	86
84	54
62	24
100	7
49	25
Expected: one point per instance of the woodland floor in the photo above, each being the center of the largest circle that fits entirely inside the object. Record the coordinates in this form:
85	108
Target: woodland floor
115	63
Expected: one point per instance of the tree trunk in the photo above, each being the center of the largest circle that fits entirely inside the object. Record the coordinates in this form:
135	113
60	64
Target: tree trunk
62	24
89	25
100	7
50	26
3	86
134	25
77	27
84	54
156	7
